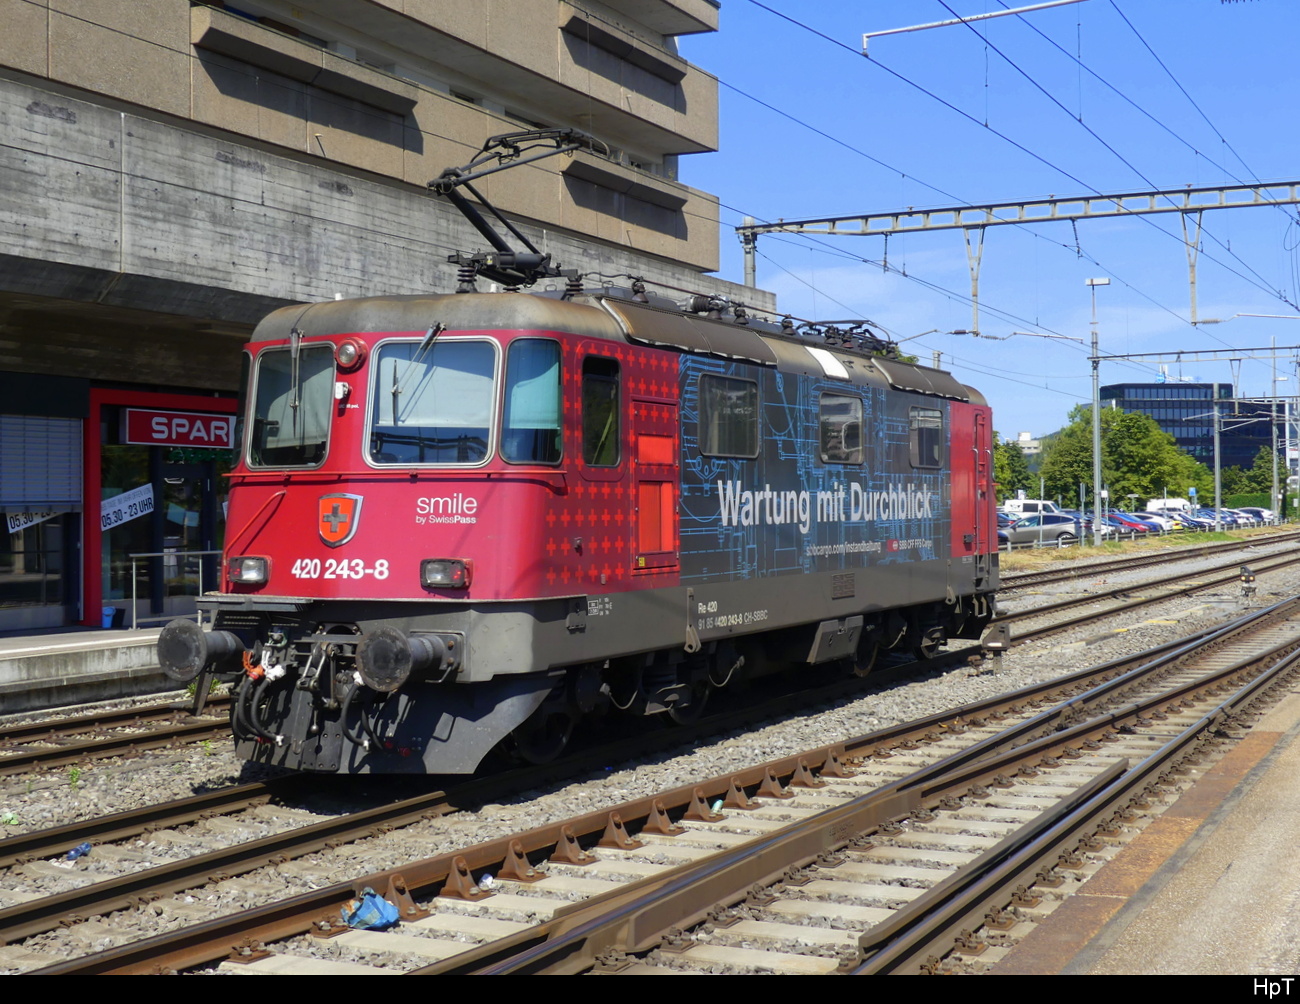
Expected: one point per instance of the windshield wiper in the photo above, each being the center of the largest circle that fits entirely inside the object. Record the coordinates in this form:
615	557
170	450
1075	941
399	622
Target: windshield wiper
295	351
399	384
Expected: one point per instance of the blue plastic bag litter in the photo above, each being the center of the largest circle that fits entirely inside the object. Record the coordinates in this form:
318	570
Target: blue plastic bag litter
370	912
79	851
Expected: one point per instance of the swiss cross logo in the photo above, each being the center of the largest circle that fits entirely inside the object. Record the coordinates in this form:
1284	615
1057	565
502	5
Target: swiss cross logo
338	516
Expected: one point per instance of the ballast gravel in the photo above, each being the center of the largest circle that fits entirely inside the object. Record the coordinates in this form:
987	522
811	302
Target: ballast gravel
43	800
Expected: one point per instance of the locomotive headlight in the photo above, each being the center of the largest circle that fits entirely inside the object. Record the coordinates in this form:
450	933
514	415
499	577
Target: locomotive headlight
349	354
247	571
446	573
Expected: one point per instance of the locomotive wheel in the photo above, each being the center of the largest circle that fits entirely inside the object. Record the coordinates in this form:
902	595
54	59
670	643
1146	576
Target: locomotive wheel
542	737
864	660
691	713
931	642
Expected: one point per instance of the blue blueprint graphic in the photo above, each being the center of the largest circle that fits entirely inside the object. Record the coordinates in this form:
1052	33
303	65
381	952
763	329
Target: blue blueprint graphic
787	511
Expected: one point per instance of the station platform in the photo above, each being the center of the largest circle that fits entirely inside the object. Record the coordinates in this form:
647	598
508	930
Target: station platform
78	665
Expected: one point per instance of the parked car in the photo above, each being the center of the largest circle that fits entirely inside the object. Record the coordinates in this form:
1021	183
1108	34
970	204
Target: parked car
1186	521
1128	526
1225	518
1163	520
1266	517
1049	528
1027	507
1146	521
1247	518
1085	521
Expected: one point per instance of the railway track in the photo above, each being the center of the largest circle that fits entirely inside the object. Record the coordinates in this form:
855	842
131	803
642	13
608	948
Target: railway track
292	838
1133	596
1176	550
936	739
892	880
69	837
49	729
52	744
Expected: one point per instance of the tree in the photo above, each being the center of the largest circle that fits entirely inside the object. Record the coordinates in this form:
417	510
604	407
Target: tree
1010	469
1234	481
1137	458
1260	477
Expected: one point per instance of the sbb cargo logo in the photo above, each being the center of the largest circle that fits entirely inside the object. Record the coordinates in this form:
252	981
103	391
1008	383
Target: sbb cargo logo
338	516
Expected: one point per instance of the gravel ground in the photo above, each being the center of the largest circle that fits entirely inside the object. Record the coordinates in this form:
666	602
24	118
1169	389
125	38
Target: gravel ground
45	800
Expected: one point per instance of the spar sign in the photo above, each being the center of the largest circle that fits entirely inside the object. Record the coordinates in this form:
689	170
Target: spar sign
153	427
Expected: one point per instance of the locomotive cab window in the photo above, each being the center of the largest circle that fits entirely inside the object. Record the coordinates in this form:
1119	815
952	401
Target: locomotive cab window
530	431
600	431
926	440
840	429
432	402
292	405
728	417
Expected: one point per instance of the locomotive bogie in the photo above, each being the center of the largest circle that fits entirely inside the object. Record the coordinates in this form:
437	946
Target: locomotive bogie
473	520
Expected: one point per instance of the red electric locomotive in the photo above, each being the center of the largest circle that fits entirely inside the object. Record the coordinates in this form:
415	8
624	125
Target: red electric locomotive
465	518
468	519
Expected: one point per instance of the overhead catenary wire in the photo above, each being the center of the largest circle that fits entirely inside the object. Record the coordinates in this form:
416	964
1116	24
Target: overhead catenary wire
811	239
1070	346
1021	230
1192	101
998	133
1111	148
1153	119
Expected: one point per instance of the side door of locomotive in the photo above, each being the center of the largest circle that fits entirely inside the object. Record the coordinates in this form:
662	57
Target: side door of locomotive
629	443
655	474
973	500
605	487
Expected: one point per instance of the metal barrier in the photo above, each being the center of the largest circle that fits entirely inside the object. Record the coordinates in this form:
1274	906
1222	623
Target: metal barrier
144	555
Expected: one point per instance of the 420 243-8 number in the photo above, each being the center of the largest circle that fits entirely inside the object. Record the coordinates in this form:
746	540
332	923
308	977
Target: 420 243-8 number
338	568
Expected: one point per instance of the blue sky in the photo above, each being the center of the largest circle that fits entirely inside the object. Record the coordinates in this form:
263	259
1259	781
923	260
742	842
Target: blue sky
1236	122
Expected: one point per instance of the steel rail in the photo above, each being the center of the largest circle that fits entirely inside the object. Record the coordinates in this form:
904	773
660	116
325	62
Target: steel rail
98	749
57	840
1121	591
1028	634
931	922
1179	551
211	940
117	718
634	918
125	891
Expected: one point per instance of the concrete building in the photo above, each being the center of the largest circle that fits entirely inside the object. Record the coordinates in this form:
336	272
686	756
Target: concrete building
172	171
1186	412
1028	445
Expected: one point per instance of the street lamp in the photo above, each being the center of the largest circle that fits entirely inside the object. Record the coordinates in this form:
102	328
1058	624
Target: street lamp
1272	424
1096	415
